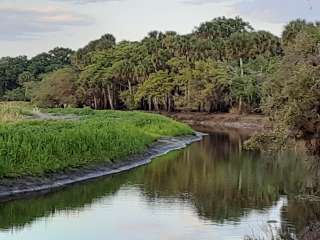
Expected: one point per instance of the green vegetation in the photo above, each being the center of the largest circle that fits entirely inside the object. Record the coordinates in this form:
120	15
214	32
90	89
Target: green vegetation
291	92
38	147
223	65
215	68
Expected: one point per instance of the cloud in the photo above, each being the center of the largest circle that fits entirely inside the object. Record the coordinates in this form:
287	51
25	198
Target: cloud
203	2
31	23
87	1
273	11
276	11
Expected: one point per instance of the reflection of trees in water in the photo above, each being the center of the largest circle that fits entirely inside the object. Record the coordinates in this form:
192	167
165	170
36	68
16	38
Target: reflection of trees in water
311	182
222	182
19	213
215	175
303	211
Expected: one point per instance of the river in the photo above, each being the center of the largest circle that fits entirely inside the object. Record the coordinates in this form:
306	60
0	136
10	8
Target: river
211	190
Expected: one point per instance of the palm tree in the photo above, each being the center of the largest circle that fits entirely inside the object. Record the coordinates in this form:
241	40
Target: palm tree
292	29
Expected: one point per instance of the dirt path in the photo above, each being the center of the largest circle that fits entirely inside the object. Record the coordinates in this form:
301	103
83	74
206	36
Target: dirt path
37	115
248	124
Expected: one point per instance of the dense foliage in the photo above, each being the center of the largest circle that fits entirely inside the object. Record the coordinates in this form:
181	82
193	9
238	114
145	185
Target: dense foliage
17	74
211	69
291	92
223	65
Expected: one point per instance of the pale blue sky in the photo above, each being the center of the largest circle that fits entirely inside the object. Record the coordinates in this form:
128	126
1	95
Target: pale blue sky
32	26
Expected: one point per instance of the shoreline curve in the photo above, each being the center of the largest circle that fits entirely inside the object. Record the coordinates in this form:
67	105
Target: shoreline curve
11	189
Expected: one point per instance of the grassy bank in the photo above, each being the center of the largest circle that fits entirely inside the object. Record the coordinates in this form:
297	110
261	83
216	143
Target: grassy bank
36	147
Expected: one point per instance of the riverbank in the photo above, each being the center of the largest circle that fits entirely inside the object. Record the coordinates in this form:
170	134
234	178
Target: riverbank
27	186
243	124
42	150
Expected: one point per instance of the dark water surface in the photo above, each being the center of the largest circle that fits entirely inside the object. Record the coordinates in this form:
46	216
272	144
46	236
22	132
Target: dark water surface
211	190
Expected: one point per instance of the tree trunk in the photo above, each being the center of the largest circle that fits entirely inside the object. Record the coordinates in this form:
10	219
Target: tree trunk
100	100
114	96
156	105
241	67
105	100
240	105
95	102
211	107
188	94
130	88
110	97
150	103
242	75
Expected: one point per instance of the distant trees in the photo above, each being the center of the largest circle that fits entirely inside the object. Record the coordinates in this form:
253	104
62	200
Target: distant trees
82	57
293	29
10	69
47	62
57	89
224	63
207	70
17	73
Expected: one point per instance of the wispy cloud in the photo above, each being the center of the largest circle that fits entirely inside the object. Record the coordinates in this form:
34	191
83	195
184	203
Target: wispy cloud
203	2
26	23
273	11
87	1
279	11
130	19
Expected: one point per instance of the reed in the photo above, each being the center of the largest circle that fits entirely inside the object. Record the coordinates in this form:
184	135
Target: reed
14	111
29	148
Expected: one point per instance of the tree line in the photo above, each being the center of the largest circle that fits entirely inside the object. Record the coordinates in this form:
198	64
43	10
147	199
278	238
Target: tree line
214	68
223	65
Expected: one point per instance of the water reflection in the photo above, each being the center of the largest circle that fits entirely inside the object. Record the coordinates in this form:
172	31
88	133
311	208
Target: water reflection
223	183
211	189
17	214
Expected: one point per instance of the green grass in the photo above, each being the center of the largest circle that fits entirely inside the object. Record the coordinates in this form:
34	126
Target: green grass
29	148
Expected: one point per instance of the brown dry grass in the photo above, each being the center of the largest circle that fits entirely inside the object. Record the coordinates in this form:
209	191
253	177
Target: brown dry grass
14	111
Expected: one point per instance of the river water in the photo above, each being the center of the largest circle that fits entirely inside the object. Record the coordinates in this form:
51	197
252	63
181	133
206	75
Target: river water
211	190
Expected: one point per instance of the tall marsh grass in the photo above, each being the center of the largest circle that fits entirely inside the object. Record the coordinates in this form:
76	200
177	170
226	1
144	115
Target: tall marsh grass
13	111
39	147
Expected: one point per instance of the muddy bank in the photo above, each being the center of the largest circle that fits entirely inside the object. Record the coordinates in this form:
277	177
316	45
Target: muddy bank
37	115
243	124
17	188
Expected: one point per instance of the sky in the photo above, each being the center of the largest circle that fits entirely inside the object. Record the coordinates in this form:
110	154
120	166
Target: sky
29	27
